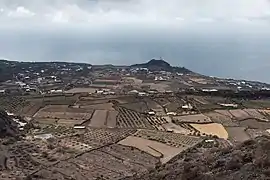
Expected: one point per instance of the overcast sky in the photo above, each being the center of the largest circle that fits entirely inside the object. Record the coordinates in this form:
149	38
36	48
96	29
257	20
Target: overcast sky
229	38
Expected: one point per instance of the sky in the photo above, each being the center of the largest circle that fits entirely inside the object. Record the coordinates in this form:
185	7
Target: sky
224	38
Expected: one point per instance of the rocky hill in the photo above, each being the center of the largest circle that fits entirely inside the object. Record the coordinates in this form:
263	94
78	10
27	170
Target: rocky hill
246	161
160	65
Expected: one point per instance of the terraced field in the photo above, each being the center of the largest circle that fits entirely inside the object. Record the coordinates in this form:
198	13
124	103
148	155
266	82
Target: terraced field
131	119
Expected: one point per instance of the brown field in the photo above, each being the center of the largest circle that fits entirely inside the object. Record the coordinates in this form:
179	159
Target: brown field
171	139
85	102
81	90
154	148
65	108
255	124
176	129
237	134
99	118
31	109
160	87
221	119
212	129
63	122
254	113
131	154
111	119
200	100
172	106
197	118
239	114
63	115
137	106
225	113
104	106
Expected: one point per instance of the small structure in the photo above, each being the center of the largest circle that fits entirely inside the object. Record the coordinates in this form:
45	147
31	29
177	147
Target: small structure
151	112
79	127
2	91
133	92
142	94
172	113
43	136
187	107
229	105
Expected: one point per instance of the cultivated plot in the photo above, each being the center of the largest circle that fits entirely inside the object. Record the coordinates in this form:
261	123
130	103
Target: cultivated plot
154	148
214	129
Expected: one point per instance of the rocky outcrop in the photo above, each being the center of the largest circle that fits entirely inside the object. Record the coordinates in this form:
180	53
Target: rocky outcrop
7	126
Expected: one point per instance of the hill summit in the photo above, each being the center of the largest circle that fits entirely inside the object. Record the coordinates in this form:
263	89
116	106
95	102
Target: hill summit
160	65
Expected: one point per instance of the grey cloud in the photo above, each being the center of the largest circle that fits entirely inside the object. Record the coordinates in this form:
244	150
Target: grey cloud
214	37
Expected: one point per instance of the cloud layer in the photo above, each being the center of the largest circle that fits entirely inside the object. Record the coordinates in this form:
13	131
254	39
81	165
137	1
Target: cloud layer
134	11
215	37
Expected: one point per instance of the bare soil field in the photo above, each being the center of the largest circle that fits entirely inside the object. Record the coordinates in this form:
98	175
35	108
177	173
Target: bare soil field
262	103
63	122
99	118
239	114
68	122
86	102
254	113
255	124
237	134
132	155
212	129
176	129
103	106
171	139
225	113
221	119
63	115
200	100
162	101
137	106
31	109
65	108
111	119
197	118
81	90
172	107
154	148
160	87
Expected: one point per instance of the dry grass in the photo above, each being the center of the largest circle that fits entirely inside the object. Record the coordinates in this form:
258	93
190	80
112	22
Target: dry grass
212	129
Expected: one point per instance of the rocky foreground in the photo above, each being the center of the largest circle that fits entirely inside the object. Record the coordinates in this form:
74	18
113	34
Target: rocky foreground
8	127
246	161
